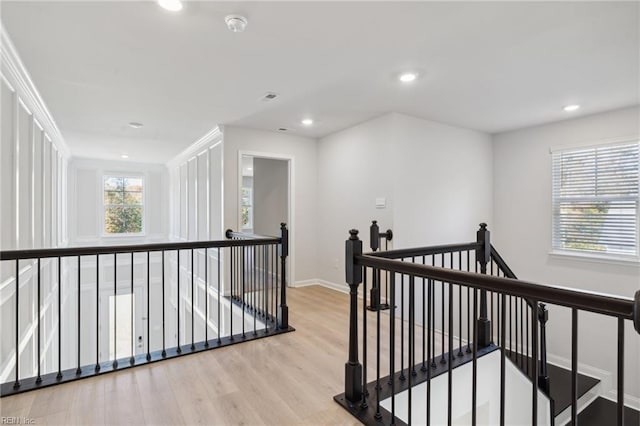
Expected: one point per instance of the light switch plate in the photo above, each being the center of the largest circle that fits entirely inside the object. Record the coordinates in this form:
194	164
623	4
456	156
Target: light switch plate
381	203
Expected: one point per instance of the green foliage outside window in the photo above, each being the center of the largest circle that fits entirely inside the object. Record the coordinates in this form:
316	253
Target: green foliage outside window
123	205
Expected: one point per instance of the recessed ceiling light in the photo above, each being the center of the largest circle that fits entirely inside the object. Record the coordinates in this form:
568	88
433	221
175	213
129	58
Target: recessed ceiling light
570	108
408	77
307	121
171	5
249	168
125	156
135	124
236	23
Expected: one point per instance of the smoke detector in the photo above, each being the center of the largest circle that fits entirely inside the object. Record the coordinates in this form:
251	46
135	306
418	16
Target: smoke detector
236	23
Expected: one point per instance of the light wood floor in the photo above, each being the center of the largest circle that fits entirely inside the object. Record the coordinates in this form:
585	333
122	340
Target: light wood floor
286	379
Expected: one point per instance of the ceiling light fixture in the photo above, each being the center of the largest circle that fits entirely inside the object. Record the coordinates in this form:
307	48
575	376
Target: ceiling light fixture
125	156
171	5
236	23
408	77
307	121
135	125
249	168
570	108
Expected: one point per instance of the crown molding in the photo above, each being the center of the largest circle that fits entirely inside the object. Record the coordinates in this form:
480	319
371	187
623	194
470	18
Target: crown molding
212	138
15	73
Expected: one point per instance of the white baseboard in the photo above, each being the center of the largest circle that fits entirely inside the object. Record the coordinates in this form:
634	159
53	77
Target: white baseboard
343	288
629	400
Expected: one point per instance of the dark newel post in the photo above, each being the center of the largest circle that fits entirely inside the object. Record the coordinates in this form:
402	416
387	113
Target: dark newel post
375	244
483	256
283	314
543	377
353	369
636	311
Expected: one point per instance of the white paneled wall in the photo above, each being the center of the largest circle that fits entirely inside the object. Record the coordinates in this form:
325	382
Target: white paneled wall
196	215
196	191
33	174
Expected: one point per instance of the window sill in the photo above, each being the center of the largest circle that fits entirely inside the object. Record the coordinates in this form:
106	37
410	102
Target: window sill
629	261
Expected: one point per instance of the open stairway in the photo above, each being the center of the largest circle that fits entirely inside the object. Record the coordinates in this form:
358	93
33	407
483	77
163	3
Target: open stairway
458	339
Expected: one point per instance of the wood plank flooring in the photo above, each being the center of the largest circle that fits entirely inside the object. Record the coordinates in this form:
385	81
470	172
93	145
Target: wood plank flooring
284	380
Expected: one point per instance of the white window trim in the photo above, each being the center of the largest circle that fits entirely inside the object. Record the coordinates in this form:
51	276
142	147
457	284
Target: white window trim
586	256
144	204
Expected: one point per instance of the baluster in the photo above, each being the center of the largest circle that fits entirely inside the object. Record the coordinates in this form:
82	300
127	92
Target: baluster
522	333
178	303
78	369
97	367
115	305
411	341
148	306
442	358
254	291
206	297
429	349
378	415
242	303
219	297
574	366
392	345
433	315
16	383
503	319
474	384
450	367
164	343
412	323
193	296
534	367
38	377
402	377
265	287
132	360
59	375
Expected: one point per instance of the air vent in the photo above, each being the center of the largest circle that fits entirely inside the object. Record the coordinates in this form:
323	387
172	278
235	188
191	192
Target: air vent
269	96
282	129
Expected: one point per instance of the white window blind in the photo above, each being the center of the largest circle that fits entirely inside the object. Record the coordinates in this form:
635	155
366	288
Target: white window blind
595	199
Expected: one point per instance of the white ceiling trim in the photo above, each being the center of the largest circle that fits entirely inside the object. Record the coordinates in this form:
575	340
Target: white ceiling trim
15	72
213	137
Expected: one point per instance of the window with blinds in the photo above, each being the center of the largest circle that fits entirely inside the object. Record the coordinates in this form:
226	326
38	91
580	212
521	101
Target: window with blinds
595	199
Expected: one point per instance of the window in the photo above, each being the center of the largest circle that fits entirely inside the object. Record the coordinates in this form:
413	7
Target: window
247	208
123	205
595	199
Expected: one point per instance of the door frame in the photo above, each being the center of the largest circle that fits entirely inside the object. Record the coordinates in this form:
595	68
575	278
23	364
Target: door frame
290	159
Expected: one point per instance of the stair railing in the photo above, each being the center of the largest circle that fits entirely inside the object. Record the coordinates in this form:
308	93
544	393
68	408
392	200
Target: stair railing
451	276
63	305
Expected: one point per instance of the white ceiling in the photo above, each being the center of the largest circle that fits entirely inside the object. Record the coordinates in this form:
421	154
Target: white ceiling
487	66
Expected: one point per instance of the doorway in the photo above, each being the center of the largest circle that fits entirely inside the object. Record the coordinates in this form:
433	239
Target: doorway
265	198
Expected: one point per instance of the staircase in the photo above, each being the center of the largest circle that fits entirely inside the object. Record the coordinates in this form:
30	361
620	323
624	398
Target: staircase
464	342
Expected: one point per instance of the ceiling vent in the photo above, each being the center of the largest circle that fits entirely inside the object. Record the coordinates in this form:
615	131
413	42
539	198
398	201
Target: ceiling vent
269	96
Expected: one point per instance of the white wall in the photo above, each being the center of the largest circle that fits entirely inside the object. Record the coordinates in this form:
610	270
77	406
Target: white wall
436	180
304	226
270	196
86	212
522	234
33	175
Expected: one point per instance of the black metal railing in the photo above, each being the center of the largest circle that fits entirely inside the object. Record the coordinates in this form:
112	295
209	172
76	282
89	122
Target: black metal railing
68	318
440	290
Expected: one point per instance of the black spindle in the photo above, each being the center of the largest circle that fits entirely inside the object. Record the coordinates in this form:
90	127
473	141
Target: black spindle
574	366
59	375
39	377
620	403
78	369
